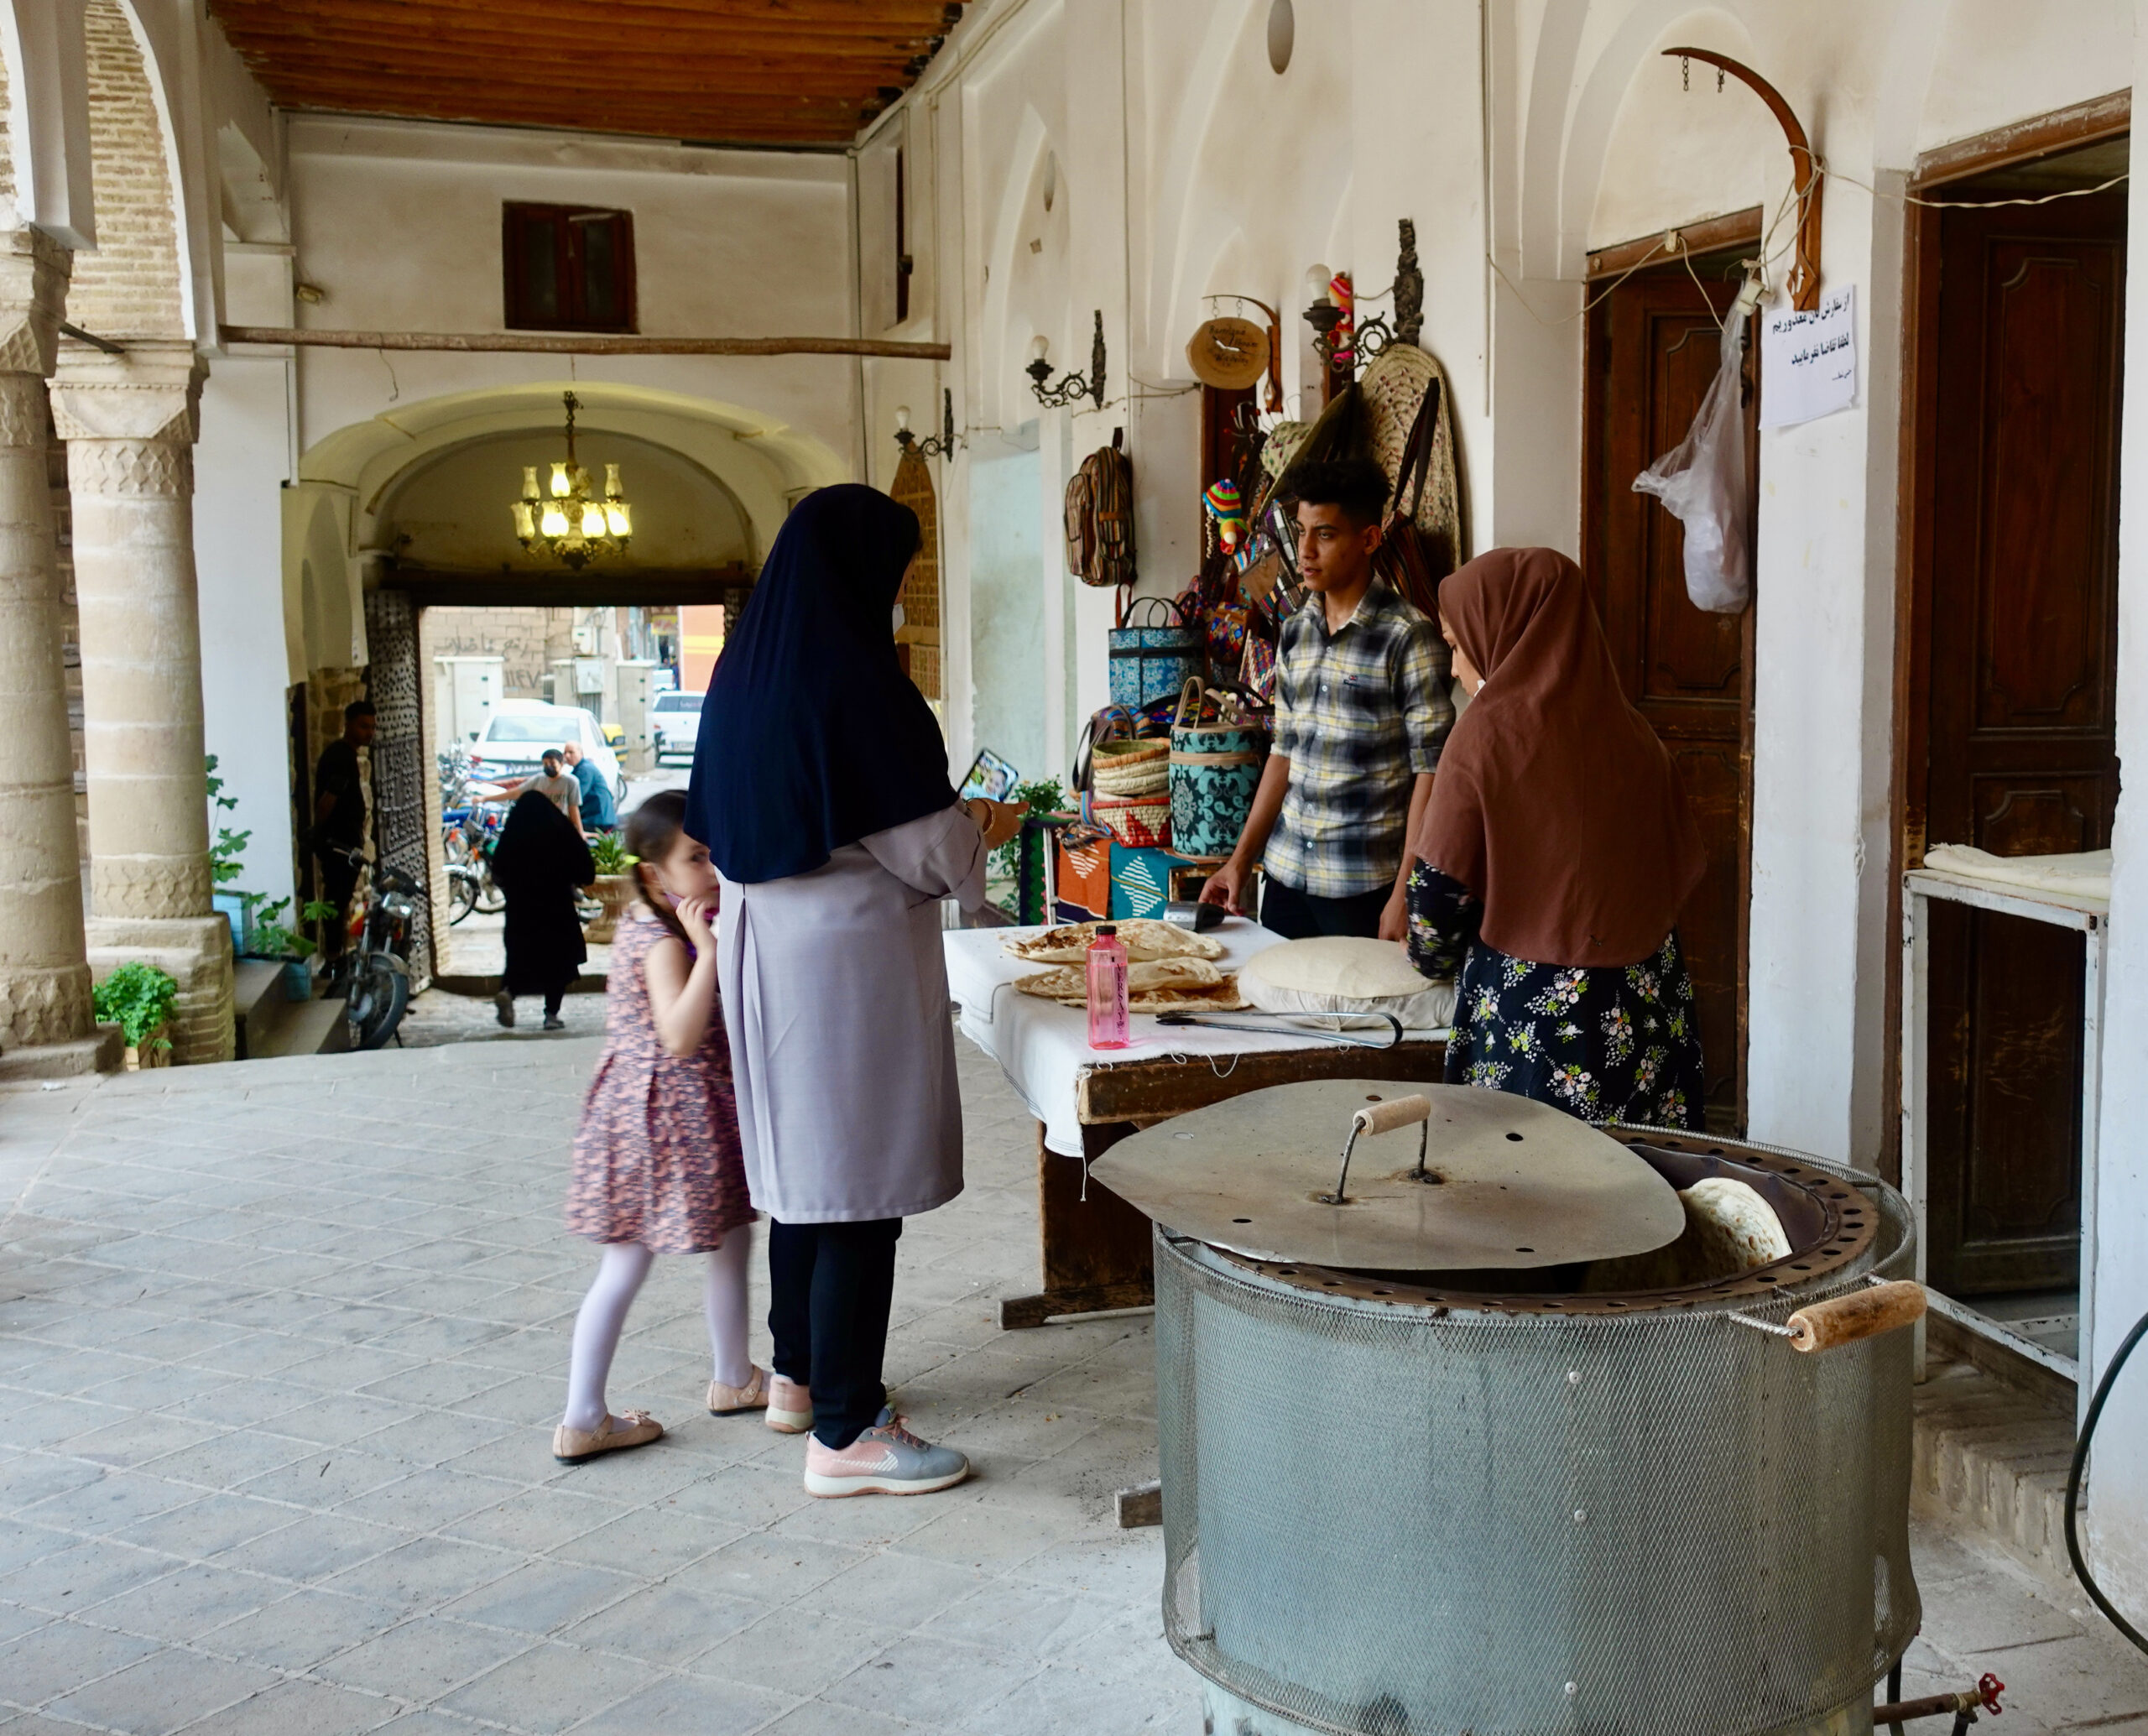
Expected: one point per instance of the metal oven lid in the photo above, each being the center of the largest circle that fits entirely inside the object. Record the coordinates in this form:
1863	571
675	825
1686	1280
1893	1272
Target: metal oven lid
1506	1182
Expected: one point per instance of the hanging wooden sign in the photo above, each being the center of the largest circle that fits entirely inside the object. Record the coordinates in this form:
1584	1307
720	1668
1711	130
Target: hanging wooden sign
1229	354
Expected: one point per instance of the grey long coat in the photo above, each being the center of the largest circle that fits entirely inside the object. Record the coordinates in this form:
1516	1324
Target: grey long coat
835	999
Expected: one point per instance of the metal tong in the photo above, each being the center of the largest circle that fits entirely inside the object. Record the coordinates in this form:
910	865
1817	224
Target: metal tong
1215	1022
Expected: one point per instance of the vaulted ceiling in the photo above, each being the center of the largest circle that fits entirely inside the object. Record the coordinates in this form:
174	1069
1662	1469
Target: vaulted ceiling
748	71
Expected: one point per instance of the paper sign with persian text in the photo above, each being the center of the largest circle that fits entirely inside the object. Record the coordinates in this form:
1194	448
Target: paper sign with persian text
1808	362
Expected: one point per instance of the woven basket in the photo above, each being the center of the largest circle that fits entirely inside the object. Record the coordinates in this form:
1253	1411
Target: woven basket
1130	768
1144	822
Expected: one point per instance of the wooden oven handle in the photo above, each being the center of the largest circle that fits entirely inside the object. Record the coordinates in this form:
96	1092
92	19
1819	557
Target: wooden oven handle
1862	1314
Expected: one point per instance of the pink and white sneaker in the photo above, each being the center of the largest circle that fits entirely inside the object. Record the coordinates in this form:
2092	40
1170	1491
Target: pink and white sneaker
790	1406
886	1460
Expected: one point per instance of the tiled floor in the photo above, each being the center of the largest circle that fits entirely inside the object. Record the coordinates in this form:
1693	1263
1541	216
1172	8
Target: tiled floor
280	1346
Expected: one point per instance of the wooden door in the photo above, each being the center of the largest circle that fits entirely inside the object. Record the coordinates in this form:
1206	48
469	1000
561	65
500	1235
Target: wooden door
1652	354
2023	666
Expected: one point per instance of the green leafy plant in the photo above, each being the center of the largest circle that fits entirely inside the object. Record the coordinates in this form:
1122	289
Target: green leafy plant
609	854
320	909
272	940
224	864
1044	796
138	998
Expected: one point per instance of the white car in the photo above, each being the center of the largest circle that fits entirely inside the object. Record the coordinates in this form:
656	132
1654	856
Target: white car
675	719
514	741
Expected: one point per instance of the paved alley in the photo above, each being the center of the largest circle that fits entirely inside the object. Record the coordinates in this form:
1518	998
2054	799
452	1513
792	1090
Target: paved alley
281	1345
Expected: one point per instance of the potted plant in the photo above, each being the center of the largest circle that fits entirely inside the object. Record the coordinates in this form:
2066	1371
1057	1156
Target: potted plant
224	858
268	938
614	886
138	998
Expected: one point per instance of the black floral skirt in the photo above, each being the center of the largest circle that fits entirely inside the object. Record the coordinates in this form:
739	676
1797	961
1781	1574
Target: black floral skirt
1605	1044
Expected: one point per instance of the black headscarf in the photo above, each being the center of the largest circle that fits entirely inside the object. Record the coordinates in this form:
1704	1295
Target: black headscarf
811	736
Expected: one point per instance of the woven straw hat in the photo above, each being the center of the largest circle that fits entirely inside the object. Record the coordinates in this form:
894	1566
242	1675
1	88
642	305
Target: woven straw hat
1394	384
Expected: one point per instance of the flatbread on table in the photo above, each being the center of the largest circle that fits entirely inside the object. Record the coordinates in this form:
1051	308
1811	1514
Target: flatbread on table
1162	985
1143	937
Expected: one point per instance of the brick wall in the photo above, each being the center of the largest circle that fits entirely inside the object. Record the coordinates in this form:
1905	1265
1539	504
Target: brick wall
6	160
129	286
526	640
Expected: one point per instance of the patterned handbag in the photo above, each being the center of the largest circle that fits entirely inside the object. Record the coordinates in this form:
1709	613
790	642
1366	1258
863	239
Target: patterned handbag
1151	658
1215	769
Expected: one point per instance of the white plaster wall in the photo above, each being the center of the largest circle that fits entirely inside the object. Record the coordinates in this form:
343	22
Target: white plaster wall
2118	1507
399	224
239	466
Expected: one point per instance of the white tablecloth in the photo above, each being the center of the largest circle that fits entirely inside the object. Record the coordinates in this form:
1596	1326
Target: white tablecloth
1044	1049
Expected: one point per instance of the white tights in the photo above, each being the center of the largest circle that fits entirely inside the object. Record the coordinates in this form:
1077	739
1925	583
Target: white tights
603	1317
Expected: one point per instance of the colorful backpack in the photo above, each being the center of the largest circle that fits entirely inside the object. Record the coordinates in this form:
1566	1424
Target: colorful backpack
1100	517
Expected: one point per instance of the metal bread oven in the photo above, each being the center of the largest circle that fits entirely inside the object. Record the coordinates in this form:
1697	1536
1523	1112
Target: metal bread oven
1423	1472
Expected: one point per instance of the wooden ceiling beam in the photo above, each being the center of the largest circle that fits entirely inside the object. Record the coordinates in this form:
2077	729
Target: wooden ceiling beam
844	17
421	24
284	43
579	74
710	128
360	97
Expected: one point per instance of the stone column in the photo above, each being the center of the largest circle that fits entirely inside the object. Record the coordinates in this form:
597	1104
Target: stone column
129	421
45	1024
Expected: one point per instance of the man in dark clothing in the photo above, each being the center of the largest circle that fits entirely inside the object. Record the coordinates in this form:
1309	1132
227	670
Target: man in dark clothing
599	812
339	815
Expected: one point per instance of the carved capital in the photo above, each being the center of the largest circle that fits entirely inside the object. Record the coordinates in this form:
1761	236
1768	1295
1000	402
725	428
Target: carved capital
131	469
22	410
148	886
152	392
33	270
44	1005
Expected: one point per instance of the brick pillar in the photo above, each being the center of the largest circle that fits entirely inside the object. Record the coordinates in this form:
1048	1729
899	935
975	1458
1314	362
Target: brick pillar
45	1023
130	423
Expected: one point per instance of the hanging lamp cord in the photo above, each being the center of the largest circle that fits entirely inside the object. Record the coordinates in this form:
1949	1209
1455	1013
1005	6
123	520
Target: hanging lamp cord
2073	1487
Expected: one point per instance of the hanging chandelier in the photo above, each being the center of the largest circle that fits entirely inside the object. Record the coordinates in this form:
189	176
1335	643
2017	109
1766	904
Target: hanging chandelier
570	519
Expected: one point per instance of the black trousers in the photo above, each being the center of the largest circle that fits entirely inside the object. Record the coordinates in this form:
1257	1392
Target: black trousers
831	1287
339	879
1299	916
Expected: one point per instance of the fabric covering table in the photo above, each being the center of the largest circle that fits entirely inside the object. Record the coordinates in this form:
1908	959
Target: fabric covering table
1095	1247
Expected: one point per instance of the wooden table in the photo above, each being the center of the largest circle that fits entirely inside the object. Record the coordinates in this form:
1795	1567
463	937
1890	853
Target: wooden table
1095	1252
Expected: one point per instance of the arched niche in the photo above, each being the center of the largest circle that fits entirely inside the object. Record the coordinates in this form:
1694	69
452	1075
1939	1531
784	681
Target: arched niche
451	514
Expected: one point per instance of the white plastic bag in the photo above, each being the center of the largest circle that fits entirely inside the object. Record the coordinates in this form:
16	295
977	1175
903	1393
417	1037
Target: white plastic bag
1701	481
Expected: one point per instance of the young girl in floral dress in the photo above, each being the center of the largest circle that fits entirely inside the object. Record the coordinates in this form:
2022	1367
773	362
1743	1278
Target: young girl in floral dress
657	1163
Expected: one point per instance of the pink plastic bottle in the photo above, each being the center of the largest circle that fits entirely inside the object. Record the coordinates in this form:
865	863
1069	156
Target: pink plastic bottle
1109	1027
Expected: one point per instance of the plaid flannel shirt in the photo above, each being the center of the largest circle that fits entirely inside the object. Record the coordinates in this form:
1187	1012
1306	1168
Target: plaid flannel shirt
1359	713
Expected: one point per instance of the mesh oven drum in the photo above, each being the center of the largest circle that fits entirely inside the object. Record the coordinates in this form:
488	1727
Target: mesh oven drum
1393	1521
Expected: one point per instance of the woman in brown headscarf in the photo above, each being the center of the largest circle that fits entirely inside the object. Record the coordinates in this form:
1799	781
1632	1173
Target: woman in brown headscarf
1556	853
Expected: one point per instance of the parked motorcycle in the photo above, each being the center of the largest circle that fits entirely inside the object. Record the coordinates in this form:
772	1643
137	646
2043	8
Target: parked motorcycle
373	975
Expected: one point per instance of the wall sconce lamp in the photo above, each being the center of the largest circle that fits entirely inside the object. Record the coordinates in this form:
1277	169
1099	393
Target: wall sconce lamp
1071	386
1322	313
941	445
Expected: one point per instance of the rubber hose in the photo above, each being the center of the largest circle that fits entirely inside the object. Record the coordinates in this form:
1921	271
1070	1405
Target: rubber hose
2073	1487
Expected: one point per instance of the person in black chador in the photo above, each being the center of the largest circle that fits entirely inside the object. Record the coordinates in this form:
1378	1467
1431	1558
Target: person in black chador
339	816
538	862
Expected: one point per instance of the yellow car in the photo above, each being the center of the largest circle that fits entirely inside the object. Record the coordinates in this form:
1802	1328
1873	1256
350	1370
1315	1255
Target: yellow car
614	736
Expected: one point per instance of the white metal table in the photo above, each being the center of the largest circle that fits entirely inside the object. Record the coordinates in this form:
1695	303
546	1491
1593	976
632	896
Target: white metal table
2090	917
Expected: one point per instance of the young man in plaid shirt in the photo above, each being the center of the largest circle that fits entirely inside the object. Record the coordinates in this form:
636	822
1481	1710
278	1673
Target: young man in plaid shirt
1362	710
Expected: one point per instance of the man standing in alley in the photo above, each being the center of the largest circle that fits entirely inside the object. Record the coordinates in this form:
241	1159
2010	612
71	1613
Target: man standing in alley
599	812
339	815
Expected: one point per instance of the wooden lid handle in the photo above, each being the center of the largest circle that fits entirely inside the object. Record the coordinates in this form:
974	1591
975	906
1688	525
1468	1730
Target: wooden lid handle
1863	1314
1397	1112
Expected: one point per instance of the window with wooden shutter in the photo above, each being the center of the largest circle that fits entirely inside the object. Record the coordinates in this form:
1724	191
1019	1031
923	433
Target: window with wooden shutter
568	267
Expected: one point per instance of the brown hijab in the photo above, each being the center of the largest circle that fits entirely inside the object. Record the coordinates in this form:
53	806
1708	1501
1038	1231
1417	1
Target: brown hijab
1555	804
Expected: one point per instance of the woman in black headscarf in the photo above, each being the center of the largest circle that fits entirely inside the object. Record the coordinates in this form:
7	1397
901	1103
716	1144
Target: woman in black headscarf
821	789
537	863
